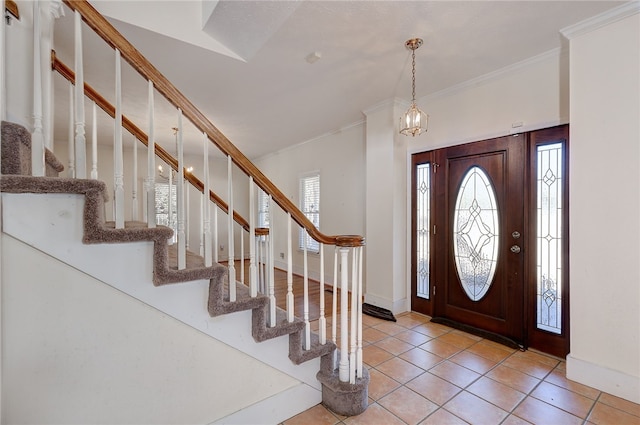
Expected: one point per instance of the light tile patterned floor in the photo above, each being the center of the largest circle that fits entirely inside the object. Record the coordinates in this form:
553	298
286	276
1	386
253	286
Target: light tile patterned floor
425	373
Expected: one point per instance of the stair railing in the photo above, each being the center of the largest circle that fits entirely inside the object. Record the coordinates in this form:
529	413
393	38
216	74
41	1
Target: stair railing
348	252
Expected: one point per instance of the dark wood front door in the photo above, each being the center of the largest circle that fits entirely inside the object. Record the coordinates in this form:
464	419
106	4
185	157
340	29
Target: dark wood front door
490	243
479	276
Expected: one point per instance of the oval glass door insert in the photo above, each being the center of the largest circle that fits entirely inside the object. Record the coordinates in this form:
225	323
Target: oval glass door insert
475	233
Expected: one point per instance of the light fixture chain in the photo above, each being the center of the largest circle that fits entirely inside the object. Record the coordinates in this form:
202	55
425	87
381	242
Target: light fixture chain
413	75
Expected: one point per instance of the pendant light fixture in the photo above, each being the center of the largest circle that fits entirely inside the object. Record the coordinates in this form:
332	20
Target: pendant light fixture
414	121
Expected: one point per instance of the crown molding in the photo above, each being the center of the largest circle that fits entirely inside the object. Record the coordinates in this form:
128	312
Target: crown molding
610	16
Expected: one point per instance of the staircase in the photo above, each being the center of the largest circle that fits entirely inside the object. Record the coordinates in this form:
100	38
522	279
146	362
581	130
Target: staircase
344	398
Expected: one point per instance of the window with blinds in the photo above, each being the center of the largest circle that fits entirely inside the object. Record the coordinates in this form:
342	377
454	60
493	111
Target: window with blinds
310	206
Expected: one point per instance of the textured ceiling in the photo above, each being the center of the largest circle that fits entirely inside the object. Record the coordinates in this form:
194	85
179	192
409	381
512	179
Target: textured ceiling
247	69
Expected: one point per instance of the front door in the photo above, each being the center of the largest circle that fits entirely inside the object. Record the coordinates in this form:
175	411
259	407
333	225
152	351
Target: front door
489	244
482	221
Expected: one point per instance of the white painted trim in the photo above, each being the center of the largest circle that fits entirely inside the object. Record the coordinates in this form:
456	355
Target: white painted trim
396	307
610	16
608	380
491	76
276	409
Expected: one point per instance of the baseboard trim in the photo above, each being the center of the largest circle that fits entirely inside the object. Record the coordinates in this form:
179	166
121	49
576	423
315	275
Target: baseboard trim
396	307
608	380
276	409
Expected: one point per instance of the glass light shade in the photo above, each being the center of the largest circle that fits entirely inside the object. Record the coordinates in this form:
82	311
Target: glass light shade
414	121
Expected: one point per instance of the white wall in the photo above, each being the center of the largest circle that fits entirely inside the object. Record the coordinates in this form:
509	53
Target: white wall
78	351
605	200
339	157
19	70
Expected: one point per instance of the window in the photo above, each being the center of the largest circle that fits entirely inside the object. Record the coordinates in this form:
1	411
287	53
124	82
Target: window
423	209
310	206
263	208
164	192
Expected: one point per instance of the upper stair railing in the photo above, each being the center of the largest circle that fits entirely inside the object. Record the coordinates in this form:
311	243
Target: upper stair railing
348	249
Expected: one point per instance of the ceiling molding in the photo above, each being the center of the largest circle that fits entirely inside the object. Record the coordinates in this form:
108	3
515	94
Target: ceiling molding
610	16
492	76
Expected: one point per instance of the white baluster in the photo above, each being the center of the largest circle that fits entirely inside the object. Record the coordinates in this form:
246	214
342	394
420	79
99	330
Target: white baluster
232	267
253	284
37	138
305	300
334	304
215	235
3	84
241	256
359	305
94	143
170	209
260	254
134	182
151	162
118	152
290	298
272	275
343	368
206	204
354	319
182	248
55	10
322	321
70	145
80	145
187	188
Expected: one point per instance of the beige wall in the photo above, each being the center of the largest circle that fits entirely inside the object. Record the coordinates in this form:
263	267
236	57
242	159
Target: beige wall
605	205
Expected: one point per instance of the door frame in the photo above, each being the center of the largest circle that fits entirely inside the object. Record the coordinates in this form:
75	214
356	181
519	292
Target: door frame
555	344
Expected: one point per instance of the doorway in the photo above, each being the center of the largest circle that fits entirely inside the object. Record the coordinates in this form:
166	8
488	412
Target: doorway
489	237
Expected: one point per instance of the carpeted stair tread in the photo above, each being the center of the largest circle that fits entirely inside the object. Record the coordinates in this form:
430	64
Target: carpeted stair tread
219	303
16	152
299	355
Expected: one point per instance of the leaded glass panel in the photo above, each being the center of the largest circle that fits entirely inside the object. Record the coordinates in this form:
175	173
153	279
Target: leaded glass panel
423	227
475	233
549	237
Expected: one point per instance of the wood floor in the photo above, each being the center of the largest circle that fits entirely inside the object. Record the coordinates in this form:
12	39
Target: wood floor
298	291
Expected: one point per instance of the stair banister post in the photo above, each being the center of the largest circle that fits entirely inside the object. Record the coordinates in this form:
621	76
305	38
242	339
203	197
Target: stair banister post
134	182
232	267
80	140
70	142
94	142
343	368
3	85
334	304
354	319
182	249
151	161
359	315
55	10
241	256
290	298
206	204
215	234
322	321
305	299
253	284
118	153
272	275
37	138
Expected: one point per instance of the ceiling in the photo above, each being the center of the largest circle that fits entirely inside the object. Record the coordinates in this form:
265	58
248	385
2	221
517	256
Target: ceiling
244	63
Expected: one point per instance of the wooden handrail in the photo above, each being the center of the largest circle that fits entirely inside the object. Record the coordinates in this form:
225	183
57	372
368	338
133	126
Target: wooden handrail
111	36
91	93
12	7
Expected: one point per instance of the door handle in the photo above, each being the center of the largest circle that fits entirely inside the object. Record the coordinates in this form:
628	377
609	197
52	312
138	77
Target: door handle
515	249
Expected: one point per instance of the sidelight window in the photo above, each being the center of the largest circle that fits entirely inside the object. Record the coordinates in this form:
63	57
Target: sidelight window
549	237
423	228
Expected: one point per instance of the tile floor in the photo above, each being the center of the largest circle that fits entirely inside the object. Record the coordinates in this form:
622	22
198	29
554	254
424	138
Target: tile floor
425	373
